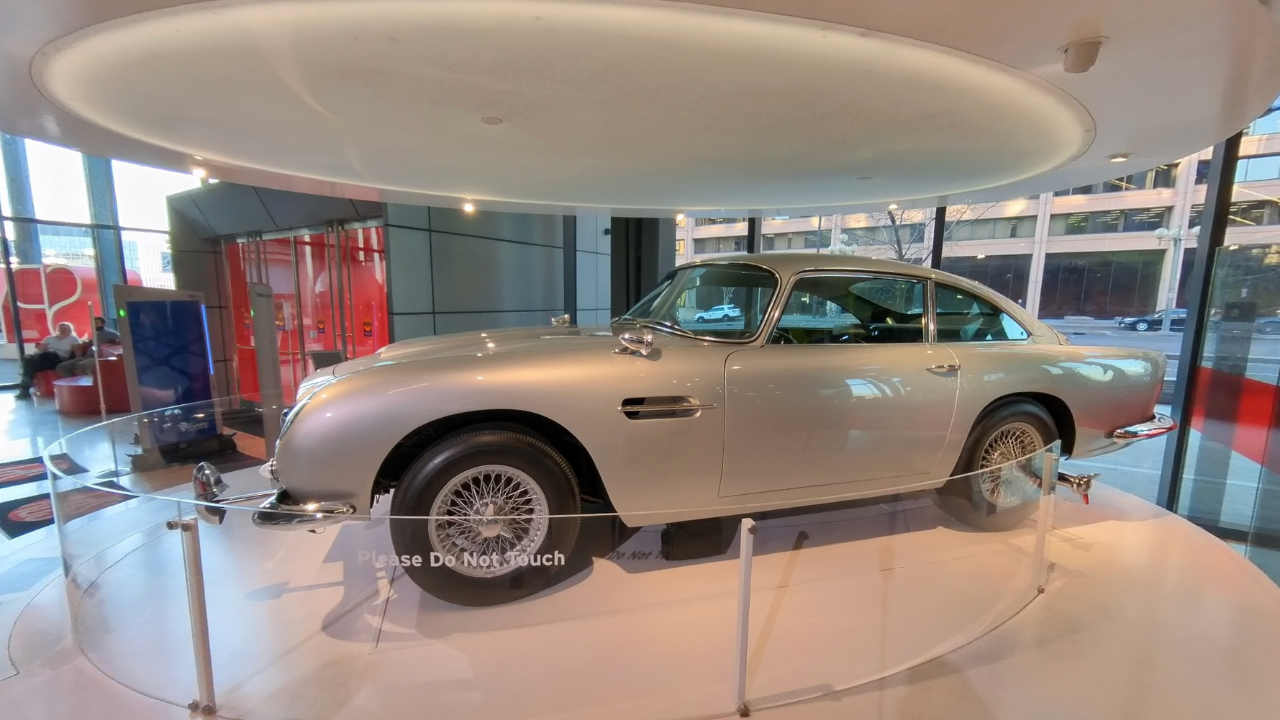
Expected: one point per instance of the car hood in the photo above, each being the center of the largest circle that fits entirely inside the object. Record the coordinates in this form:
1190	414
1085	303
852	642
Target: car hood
488	342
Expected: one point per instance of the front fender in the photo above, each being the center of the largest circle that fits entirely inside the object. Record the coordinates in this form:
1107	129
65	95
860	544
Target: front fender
337	441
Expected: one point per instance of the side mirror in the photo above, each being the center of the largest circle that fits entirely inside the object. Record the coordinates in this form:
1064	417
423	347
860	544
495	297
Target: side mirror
635	342
560	321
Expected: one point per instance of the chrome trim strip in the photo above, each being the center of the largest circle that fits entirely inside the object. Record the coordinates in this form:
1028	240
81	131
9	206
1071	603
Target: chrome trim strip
1155	427
931	313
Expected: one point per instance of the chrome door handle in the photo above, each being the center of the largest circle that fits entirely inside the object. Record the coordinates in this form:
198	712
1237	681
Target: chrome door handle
943	368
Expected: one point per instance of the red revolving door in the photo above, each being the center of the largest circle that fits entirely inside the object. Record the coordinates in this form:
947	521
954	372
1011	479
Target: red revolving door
330	292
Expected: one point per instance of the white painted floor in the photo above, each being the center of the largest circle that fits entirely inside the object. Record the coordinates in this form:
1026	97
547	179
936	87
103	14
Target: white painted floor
1144	616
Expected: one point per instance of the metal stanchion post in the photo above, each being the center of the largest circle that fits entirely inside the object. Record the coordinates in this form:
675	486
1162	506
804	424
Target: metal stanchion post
1044	519
97	367
102	403
205	703
747	548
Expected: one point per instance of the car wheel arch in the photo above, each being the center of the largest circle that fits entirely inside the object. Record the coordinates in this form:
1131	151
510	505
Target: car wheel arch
1057	408
422	438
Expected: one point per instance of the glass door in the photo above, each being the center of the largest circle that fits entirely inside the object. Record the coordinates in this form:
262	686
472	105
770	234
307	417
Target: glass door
329	286
364	289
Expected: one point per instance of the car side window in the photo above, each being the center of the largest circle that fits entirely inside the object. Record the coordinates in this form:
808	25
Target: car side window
852	309
965	317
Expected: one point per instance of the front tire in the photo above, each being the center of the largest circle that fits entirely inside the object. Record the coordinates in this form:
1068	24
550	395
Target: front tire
1142	326
1003	497
442	503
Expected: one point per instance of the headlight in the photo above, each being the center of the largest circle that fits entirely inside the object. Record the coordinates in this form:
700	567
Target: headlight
307	390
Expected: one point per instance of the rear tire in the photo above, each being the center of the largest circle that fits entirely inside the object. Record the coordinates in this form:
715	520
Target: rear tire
998	499
508	474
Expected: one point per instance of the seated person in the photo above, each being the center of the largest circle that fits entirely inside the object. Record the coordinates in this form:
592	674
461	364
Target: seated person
49	353
82	361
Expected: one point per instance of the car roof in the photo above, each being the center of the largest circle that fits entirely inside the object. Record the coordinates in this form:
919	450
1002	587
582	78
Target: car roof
790	263
787	264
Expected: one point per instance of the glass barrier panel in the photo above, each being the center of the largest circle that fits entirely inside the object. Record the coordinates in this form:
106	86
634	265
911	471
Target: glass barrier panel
494	607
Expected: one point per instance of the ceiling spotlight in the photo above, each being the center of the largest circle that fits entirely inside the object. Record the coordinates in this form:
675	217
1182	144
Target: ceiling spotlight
982	257
491	120
197	158
679	217
893	206
199	172
1118	157
468	207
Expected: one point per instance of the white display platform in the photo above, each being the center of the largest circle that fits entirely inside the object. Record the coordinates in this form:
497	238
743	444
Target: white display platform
1145	616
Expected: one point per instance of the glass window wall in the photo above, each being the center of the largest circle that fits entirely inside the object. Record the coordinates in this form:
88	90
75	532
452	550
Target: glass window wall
719	245
56	241
58	188
1100	285
1109	221
141	193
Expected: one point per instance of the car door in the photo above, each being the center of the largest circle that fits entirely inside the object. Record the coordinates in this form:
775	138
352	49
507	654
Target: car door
986	342
845	390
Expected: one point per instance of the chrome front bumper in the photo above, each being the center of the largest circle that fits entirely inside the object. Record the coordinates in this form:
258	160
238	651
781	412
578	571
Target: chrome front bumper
278	512
282	512
1155	427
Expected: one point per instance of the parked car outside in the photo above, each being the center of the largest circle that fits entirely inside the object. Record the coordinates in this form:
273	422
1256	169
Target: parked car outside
841	377
1268	325
719	313
1154	321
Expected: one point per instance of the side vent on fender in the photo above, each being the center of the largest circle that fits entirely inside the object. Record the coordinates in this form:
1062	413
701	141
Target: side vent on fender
654	408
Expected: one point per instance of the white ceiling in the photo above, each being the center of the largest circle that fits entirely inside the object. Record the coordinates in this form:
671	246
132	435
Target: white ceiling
639	106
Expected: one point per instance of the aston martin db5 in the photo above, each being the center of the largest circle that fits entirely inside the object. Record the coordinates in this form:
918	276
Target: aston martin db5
839	377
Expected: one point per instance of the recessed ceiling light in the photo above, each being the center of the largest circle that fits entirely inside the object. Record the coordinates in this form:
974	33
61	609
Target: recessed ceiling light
893	206
197	158
679	217
1118	157
982	257
199	172
468	207
491	120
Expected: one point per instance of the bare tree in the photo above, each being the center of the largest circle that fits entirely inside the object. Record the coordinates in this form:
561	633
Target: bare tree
905	235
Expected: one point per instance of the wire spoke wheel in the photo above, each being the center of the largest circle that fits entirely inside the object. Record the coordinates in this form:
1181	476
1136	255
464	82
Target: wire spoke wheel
487	519
1002	482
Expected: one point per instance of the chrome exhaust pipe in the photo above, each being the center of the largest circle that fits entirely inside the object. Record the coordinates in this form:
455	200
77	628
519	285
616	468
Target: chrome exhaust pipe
1081	485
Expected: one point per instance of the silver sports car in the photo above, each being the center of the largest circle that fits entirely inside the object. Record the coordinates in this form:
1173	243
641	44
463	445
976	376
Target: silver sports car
840	377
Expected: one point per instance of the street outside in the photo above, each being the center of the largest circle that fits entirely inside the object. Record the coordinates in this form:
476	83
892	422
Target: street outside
1264	351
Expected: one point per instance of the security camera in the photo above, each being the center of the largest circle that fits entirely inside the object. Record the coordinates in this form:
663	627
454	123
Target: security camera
1079	56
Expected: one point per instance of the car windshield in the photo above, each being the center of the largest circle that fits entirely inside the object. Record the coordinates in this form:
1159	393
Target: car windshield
719	302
